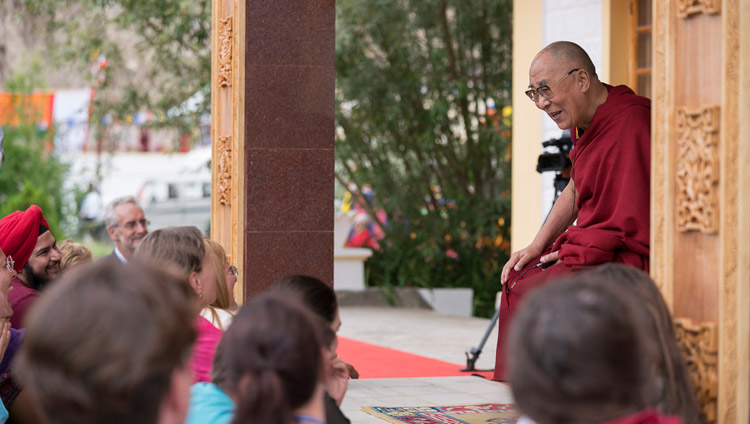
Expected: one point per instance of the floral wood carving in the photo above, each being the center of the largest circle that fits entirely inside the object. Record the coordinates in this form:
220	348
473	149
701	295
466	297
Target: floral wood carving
224	173
225	52
688	8
700	348
698	170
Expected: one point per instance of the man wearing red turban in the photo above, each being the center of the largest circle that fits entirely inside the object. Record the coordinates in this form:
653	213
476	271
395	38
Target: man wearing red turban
25	236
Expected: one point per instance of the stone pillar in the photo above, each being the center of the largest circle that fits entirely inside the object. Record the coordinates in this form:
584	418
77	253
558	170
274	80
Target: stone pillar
284	120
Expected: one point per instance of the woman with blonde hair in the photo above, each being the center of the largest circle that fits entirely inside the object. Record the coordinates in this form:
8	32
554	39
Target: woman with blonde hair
220	312
73	254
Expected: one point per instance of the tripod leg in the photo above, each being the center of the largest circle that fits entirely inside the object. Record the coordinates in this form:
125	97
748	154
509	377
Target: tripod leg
471	359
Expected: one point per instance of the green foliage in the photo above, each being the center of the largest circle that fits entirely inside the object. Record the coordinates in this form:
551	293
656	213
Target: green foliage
30	176
157	52
416	80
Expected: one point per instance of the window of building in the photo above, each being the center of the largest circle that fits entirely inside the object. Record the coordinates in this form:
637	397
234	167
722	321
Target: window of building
640	60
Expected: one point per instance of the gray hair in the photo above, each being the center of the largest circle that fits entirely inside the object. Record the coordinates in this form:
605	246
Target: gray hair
110	220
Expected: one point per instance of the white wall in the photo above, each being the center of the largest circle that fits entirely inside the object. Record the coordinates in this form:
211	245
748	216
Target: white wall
579	21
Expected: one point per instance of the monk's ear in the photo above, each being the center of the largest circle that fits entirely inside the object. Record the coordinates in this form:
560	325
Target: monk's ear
583	79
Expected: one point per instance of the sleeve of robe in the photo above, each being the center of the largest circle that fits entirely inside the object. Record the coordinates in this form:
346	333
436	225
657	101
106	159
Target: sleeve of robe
612	174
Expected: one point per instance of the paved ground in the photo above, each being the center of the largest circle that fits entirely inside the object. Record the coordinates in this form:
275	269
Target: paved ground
421	332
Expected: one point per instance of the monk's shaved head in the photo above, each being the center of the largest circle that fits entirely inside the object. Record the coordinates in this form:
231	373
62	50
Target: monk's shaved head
564	84
571	53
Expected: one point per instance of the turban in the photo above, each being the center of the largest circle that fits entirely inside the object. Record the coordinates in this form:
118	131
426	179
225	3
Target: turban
19	232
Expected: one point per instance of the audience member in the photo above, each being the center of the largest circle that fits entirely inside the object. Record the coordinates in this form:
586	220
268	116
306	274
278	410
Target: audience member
209	402
126	225
580	352
321	300
317	296
218	312
73	254
275	358
360	235
10	339
25	236
676	395
109	344
184	248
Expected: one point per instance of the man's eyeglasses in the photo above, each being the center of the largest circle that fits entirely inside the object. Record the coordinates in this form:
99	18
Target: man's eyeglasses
233	270
546	90
131	224
9	263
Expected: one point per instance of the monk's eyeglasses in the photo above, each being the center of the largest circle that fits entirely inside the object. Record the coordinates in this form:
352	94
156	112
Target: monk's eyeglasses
9	263
546	90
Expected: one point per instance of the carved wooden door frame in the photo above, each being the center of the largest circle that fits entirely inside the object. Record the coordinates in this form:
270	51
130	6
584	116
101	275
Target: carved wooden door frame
227	131
718	136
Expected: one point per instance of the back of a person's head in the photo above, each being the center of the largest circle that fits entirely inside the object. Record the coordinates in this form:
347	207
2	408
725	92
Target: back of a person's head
315	294
676	395
273	354
180	247
102	345
578	353
73	254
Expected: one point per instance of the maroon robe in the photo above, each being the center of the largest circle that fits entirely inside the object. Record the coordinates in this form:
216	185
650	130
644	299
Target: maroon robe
21	297
611	171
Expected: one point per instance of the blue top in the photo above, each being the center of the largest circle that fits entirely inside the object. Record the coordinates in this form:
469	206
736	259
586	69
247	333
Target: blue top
3	413
209	405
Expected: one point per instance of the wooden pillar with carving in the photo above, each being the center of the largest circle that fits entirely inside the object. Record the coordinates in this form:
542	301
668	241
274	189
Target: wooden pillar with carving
700	192
227	130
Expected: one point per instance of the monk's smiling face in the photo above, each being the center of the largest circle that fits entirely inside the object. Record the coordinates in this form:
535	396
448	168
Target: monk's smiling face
567	105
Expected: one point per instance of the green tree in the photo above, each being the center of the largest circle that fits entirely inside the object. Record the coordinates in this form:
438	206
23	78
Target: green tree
29	173
420	89
157	53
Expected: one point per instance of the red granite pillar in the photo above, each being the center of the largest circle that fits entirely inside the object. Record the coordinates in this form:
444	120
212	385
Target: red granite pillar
289	140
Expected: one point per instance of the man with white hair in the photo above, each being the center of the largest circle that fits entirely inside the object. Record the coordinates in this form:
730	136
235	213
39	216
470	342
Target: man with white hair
126	225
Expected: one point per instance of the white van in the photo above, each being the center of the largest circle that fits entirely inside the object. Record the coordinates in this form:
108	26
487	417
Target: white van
177	200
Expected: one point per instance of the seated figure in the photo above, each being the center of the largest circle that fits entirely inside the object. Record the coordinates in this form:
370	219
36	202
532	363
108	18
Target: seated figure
580	351
184	250
676	394
275	353
109	344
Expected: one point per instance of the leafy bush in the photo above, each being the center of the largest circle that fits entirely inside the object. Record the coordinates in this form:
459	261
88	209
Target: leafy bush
420	87
28	175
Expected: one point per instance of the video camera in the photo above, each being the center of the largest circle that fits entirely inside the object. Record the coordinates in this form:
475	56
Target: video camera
555	161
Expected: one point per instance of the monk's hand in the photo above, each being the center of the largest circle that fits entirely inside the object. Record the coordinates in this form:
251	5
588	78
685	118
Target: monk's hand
550	258
519	259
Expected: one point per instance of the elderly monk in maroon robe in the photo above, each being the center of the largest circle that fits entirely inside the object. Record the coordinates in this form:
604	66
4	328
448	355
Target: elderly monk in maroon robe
25	236
603	214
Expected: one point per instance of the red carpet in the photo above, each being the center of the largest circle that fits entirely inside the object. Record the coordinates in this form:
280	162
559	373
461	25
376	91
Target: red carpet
372	361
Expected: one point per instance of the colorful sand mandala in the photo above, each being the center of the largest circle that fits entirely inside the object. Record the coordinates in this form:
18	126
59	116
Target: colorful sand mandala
494	413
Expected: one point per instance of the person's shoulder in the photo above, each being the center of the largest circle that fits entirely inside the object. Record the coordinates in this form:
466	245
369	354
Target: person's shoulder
112	257
209	404
623	96
20	292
